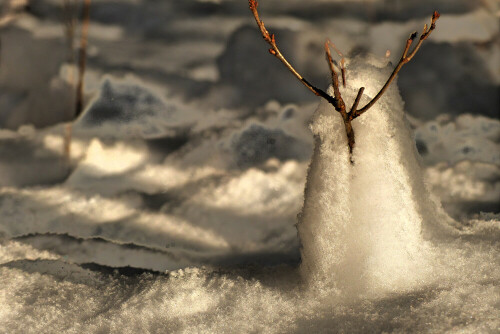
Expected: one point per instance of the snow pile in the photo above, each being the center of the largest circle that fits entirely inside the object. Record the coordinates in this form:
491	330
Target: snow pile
362	223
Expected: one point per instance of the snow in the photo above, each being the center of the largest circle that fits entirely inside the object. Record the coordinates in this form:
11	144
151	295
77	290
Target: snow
176	210
361	225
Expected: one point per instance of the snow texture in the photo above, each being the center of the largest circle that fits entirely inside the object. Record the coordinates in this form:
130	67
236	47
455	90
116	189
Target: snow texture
128	109
176	209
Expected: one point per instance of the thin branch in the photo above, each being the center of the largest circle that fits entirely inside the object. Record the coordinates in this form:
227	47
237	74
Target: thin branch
82	61
405	58
356	103
337	100
69	21
342	61
335	78
342	70
425	34
274	50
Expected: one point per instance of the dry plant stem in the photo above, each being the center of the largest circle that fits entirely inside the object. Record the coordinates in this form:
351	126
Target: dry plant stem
269	38
405	58
342	70
82	60
336	100
335	78
342	60
341	105
69	21
356	102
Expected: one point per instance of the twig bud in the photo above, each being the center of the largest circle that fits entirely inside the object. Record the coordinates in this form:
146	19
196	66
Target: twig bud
253	4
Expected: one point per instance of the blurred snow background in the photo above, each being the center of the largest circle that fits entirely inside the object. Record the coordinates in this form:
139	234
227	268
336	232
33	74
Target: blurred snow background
192	153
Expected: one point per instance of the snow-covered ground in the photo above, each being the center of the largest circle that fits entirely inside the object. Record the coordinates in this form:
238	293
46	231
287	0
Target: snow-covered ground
176	209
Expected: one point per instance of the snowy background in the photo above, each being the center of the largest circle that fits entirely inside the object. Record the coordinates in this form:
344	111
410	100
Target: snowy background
176	209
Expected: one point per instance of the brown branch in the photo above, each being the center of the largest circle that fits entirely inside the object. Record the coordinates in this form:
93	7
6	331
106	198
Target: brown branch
342	61
337	100
405	58
356	103
342	70
69	21
425	34
82	60
275	51
335	78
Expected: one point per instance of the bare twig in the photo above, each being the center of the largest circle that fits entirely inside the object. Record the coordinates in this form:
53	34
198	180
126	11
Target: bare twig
337	100
69	9
342	60
342	70
356	102
69	20
405	58
275	51
335	78
82	60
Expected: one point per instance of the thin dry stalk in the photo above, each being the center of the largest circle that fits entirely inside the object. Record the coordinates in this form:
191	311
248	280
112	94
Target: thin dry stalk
335	78
342	59
275	51
82	60
69	8
337	100
405	58
69	20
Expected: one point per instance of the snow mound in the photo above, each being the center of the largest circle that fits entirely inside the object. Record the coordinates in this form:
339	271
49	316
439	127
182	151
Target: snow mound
362	224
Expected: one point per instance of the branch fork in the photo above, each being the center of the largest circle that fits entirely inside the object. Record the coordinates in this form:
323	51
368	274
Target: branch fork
337	101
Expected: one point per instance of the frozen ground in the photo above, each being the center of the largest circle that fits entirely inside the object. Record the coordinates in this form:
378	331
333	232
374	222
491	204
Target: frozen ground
176	211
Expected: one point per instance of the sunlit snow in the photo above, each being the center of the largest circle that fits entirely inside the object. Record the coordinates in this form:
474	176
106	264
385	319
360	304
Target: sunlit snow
206	191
